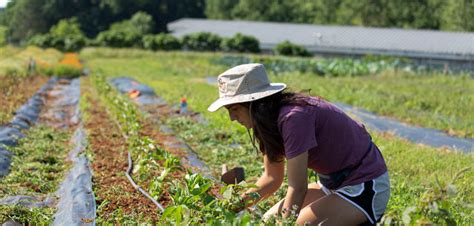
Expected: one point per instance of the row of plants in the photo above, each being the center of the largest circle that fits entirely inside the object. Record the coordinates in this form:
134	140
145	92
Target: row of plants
428	184
117	200
325	67
194	199
38	166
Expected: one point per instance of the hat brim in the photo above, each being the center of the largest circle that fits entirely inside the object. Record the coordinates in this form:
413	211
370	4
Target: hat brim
242	98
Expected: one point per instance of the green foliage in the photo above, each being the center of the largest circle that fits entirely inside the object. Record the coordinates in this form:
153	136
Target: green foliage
3	35
161	42
287	48
269	10
66	36
436	204
241	43
26	18
127	33
14	72
42	40
456	14
220	9
25	215
423	14
60	71
37	168
327	67
117	38
202	41
140	23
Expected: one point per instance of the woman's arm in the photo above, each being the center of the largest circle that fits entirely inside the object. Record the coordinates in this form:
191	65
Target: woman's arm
297	183
269	182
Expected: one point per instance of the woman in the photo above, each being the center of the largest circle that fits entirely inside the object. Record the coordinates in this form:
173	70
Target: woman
307	132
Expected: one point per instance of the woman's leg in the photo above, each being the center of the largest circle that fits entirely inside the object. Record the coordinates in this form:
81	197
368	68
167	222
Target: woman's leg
314	193
331	210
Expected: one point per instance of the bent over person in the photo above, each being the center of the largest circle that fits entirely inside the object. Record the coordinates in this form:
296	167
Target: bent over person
306	132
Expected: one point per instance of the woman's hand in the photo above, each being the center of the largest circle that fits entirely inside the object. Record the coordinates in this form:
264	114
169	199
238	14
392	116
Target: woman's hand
247	200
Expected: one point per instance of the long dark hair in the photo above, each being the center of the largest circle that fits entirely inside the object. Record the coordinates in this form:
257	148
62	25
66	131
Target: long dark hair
264	115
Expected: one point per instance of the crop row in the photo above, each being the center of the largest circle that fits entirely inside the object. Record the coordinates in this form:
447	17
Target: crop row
193	198
37	168
329	67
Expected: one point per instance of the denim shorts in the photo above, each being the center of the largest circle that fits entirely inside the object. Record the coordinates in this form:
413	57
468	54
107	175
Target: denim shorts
370	197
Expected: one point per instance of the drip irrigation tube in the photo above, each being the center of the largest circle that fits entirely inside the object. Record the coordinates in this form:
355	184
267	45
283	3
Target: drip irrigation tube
129	177
129	170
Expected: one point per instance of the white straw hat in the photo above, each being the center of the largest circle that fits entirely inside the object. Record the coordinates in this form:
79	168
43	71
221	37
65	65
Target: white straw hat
244	83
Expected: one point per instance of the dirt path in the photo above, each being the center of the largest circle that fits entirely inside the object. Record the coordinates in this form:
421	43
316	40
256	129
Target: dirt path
113	191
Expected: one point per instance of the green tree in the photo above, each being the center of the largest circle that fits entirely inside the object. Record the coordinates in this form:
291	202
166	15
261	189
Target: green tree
419	14
127	33
265	10
3	32
25	19
28	17
241	43
65	36
220	9
458	15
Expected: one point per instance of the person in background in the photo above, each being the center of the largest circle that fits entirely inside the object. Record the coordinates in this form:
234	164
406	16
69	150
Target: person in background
306	132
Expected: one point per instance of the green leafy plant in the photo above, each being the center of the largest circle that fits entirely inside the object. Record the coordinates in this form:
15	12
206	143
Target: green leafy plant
202	41
65	36
161	42
287	48
241	43
127	33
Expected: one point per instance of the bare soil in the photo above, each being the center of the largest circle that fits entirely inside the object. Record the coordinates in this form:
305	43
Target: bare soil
109	165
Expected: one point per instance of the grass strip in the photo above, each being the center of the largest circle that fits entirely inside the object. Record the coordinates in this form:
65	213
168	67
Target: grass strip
37	168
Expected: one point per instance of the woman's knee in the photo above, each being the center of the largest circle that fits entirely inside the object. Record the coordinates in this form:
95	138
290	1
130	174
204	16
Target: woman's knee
332	210
314	193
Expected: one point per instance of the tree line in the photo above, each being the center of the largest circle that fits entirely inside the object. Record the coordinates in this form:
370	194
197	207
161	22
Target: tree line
26	18
448	15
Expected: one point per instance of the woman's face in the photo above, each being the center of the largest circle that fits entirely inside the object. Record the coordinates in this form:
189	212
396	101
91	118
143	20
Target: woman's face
240	113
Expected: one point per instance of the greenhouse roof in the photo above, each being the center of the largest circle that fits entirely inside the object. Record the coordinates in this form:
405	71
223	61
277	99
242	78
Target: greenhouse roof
341	39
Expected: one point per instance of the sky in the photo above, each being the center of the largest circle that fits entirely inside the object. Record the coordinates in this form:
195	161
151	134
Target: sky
3	3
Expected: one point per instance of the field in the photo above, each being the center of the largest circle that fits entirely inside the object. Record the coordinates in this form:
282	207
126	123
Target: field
429	185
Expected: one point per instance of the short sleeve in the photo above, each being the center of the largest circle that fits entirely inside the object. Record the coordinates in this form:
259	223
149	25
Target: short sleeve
298	132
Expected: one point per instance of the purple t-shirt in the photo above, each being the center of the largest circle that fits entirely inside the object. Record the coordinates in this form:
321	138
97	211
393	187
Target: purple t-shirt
334	141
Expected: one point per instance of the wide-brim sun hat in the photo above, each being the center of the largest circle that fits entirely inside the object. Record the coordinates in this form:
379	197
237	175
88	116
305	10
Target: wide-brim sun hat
244	83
